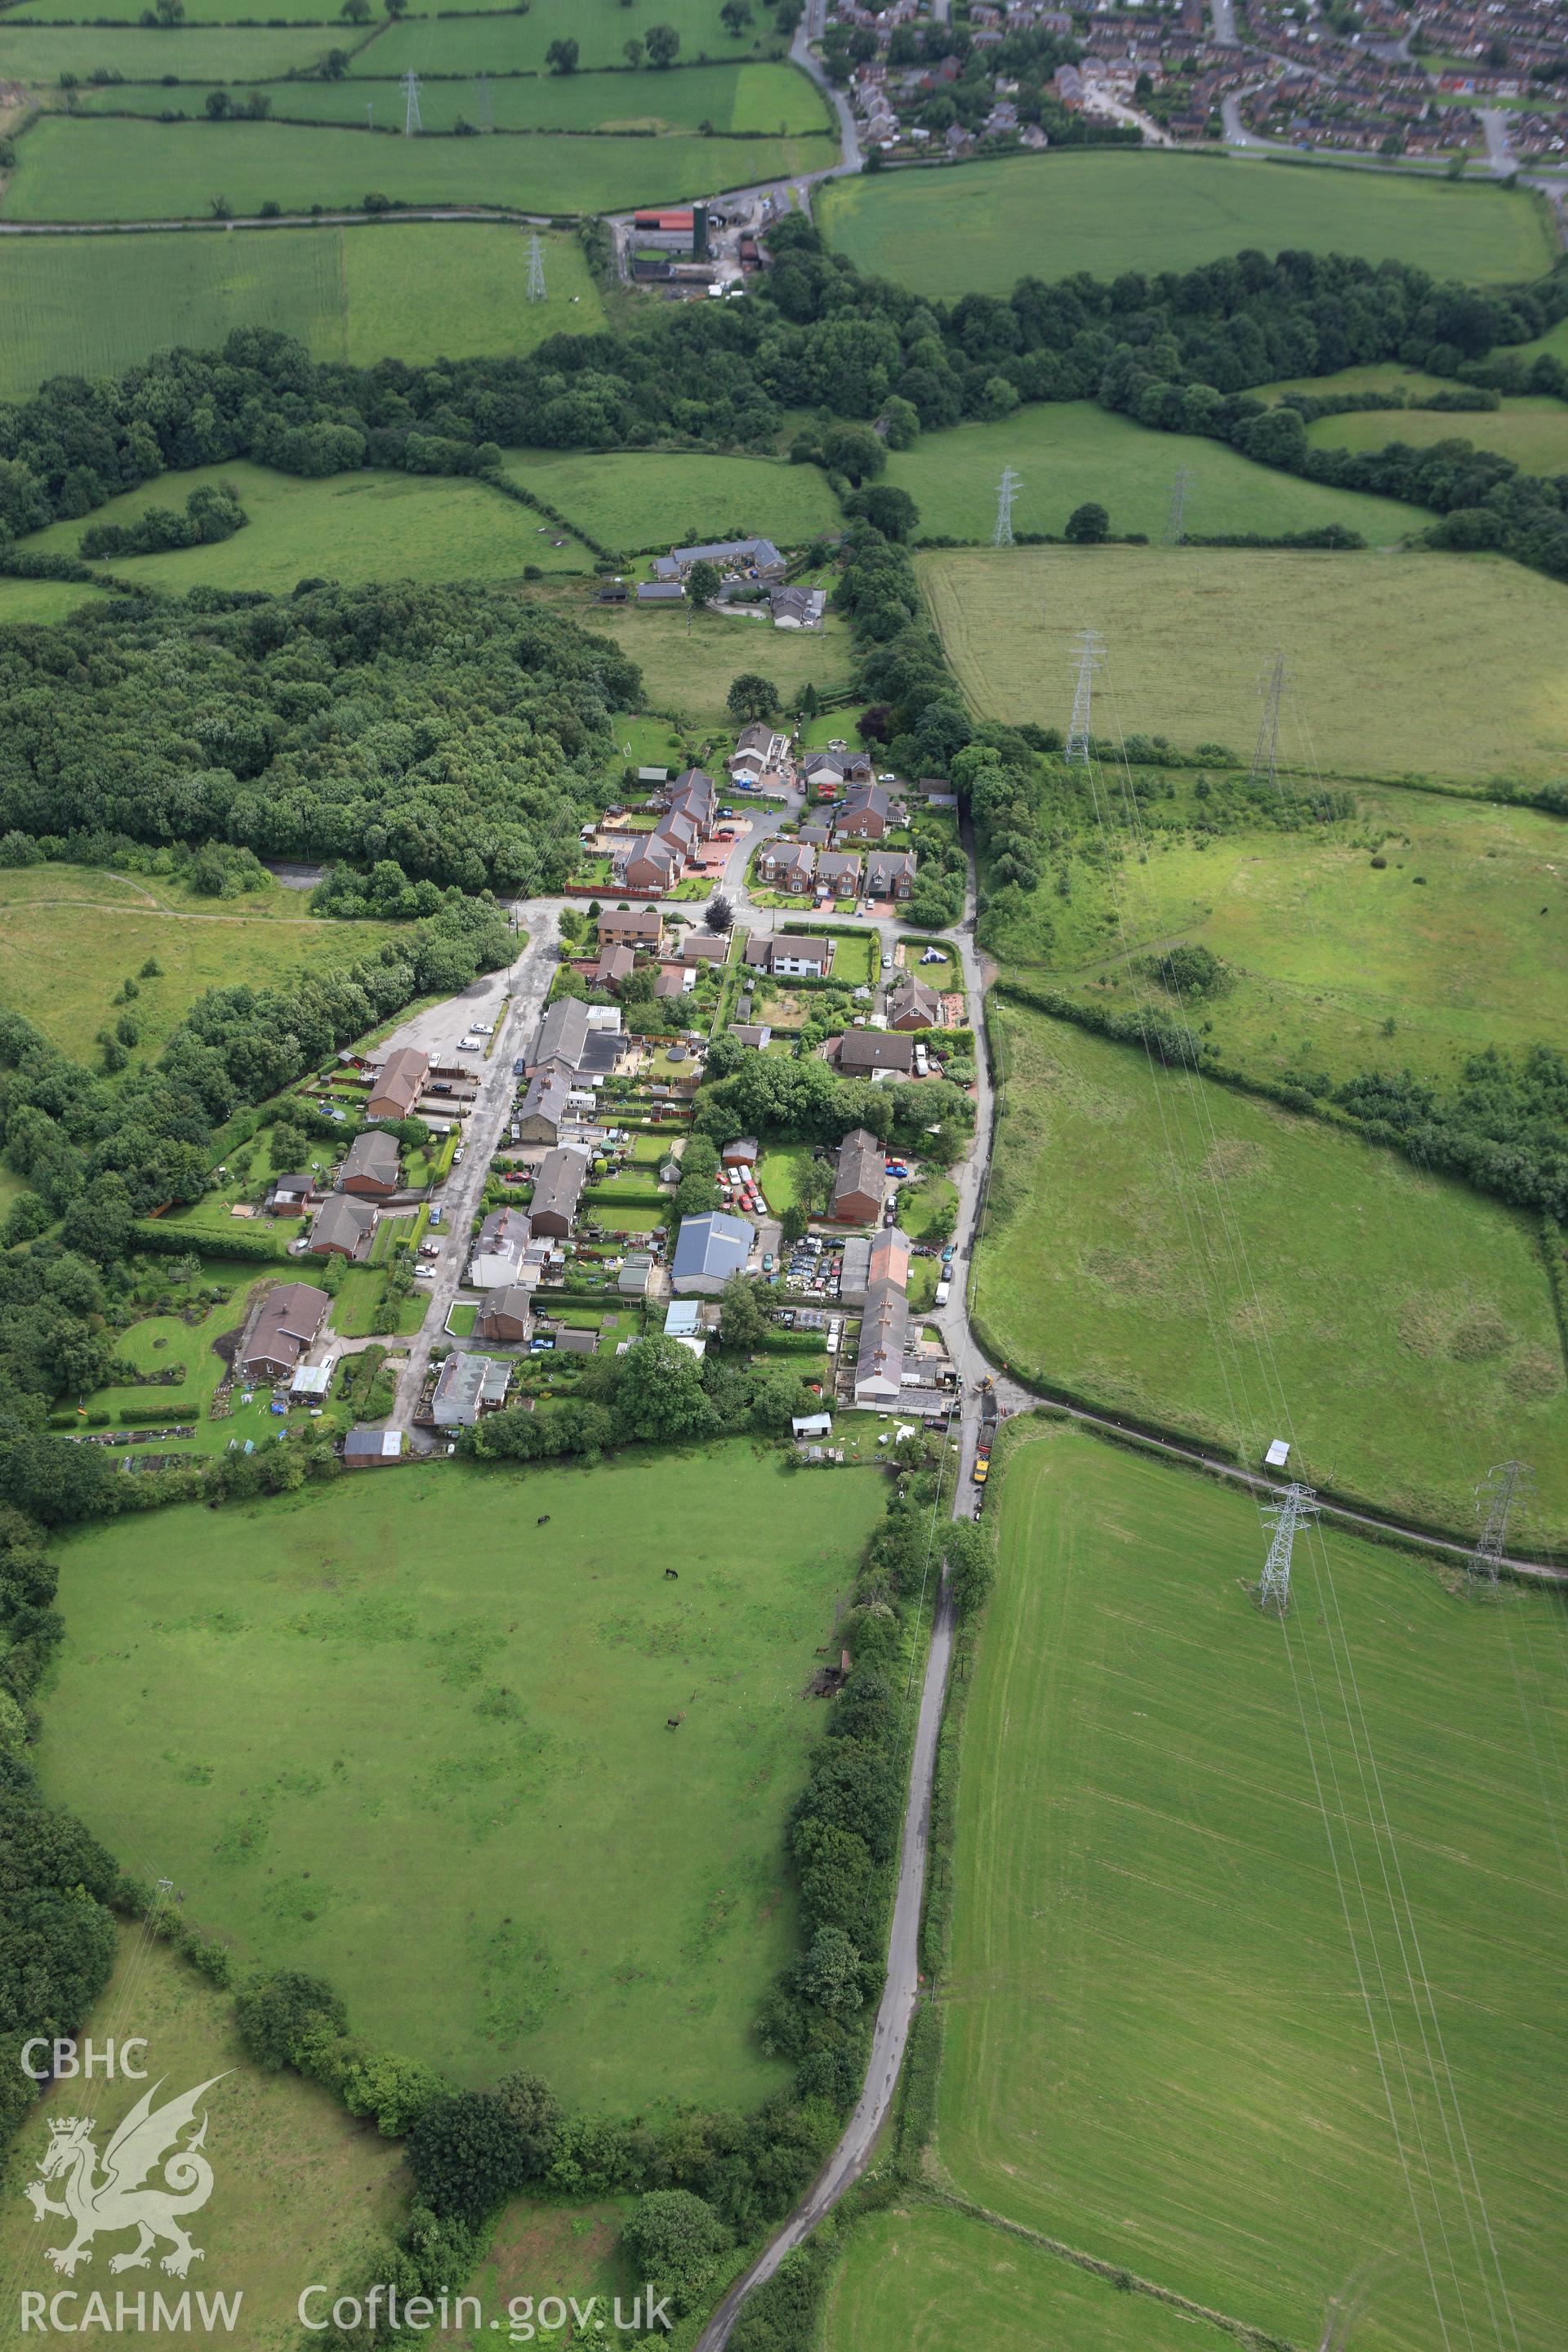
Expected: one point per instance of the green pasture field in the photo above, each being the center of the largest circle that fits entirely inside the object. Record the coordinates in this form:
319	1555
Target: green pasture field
90	167
450	1704
201	943
771	99
225	12
640	499
1252	1275
517	44
1423	665
689	659
1554	340
41	54
304	2191
414	291
925	2278
1533	432
1377	375
42	603
1069	451
369	525
979	228
1241	1911
1336	964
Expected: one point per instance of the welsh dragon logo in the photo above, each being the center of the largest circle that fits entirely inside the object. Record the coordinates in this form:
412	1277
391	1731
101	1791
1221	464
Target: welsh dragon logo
117	2199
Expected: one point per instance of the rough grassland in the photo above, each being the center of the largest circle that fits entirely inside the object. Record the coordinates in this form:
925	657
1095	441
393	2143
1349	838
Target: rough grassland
201	943
257	52
1532	432
926	2279
1069	451
414	291
451	1789
302	2191
42	601
1246	1274
636	498
769	99
1446	666
517	44
981	227
1323	948
1186	1884
91	168
689	659
363	526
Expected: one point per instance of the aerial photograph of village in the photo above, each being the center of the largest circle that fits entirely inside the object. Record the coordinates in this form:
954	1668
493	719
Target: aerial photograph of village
784	1174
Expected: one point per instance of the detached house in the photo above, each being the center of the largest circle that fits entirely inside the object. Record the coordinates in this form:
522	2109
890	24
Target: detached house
839	872
787	865
398	1084
790	958
636	926
500	1248
912	1004
371	1167
344	1227
557	1189
890	873
866	816
287	1325
758	749
863	1052
859	1179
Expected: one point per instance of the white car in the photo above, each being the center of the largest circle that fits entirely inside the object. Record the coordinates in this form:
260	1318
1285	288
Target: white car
887	963
458	1153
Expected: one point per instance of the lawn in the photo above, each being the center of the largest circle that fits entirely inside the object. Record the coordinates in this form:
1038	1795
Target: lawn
1445	666
201	943
367	525
1072	450
689	659
924	2278
516	42
1250	1275
457	1686
981	227
303	2190
1332	962
1532	432
356	1305
783	1171
39	53
754	100
926	1208
95	168
414	291
1242	1915
634	499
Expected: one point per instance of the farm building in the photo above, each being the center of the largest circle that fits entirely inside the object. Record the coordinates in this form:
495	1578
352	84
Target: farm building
372	1165
344	1227
557	1189
501	1246
707	1251
468	1386
855	1270
755	558
398	1084
859	1179
286	1327
912	1004
544	1106
369	1449
633	927
660	592
861	1052
504	1314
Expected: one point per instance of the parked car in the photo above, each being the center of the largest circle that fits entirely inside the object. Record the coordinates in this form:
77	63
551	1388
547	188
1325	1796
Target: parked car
887	963
950	1252
767	1260
520	1065
457	1154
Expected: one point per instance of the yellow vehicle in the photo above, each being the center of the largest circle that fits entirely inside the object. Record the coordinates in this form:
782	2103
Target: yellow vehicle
982	1470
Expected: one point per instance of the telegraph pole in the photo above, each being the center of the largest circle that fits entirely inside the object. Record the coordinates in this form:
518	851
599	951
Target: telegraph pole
1007	489
1085	663
1297	1507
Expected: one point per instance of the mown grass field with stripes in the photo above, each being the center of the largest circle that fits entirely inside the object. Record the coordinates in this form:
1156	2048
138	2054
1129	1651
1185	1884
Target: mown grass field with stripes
1254	1985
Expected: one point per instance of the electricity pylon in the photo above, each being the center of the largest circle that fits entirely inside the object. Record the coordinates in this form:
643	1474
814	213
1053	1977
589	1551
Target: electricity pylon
1087	662
1266	751
1175	528
1296	1507
1007	489
1495	1495
411	122
535	268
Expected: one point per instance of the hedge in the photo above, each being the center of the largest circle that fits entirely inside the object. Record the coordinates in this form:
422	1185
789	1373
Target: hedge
179	1241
